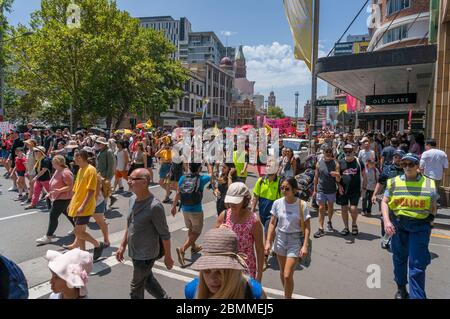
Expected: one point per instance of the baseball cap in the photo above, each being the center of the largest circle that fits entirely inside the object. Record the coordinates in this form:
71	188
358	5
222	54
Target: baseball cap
412	158
348	146
236	193
399	153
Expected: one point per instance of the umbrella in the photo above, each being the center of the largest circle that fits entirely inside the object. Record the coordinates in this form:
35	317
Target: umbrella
124	131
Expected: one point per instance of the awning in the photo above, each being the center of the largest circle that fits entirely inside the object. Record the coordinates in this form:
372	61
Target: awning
382	72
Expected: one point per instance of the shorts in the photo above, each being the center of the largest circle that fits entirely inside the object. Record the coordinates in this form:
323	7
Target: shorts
194	222
21	173
149	161
121	174
345	199
322	198
5	154
101	208
81	220
287	244
164	170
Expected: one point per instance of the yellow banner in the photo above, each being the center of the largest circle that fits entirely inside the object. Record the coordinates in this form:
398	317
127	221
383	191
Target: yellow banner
300	17
149	123
343	108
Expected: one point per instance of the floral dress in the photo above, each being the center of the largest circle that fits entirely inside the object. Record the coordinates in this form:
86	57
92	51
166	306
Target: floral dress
246	241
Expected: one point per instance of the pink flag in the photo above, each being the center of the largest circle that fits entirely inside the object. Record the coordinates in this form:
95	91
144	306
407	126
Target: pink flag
351	103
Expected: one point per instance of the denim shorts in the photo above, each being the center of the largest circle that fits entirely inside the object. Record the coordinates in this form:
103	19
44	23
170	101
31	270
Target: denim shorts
287	244
5	154
322	198
164	170
101	208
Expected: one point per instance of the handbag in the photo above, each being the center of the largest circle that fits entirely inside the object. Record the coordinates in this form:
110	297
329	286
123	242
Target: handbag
307	260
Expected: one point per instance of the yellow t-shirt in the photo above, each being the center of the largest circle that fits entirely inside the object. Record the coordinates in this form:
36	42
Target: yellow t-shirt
166	155
86	180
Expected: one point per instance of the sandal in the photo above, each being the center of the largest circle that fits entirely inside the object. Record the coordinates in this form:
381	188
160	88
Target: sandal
180	257
355	231
197	249
345	232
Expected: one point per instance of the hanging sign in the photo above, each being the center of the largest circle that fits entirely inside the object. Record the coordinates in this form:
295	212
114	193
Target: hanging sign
391	99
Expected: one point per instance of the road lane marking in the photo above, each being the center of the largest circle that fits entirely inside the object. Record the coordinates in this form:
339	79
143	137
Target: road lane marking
21	215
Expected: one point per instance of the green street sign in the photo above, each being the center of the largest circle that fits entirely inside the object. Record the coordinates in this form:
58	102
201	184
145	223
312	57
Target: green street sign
327	103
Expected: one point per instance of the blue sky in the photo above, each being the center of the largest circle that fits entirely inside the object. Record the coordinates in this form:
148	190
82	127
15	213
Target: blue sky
260	25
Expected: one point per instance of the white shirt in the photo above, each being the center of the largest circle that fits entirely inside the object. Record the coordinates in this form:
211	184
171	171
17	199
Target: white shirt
288	215
121	160
434	162
365	155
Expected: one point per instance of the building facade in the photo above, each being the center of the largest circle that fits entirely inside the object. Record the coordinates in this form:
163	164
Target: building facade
355	44
272	99
400	23
243	112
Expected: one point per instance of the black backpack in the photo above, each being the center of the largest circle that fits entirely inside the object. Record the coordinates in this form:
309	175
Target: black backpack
190	190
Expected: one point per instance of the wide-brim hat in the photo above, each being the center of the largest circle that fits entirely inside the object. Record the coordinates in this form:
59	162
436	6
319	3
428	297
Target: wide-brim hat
39	149
31	141
101	140
72	145
73	267
220	251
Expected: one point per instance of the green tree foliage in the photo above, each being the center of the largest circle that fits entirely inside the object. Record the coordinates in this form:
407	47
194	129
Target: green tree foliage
108	67
275	112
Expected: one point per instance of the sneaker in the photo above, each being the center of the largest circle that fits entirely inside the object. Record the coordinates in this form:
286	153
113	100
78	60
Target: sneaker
19	198
402	294
98	251
44	240
30	207
319	233
180	257
12	189
330	226
72	232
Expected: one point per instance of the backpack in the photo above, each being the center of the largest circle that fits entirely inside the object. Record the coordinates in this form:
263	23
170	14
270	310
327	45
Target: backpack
256	290
18	286
190	190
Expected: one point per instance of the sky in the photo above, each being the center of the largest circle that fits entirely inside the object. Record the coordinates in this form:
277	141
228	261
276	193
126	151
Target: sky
260	26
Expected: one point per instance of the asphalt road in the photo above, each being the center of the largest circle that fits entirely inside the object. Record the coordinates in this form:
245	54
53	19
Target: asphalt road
340	267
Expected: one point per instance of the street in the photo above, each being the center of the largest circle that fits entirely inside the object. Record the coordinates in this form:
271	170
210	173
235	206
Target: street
339	267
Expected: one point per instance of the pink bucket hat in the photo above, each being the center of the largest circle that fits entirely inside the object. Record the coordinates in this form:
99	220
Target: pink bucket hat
73	267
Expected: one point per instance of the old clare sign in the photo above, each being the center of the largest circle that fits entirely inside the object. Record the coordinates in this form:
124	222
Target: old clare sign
391	99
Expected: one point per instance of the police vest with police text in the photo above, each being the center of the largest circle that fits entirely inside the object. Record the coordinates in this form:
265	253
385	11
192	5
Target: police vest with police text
411	198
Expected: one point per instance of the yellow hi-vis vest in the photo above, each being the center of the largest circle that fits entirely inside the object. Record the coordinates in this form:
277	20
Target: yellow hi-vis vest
411	198
239	163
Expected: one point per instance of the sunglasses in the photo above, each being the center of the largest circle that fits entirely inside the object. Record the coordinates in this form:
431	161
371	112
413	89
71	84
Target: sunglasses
410	165
285	188
329	152
137	179
348	152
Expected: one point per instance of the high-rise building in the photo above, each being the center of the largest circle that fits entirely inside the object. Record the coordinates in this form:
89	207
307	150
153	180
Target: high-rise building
272	99
176	31
206	46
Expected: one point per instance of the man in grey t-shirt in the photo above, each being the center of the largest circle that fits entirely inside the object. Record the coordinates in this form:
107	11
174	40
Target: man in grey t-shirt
146	225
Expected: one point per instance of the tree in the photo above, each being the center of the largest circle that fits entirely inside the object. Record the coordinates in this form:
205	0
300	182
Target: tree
275	112
108	67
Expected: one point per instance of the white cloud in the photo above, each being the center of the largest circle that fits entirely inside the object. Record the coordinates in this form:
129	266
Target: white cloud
275	66
228	33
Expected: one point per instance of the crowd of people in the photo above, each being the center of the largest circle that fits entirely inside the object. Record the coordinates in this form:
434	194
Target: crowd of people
78	174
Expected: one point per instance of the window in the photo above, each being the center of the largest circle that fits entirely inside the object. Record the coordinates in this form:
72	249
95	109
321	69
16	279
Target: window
396	34
394	6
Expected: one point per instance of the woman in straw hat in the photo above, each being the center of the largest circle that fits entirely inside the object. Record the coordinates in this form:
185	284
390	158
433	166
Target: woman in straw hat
70	273
221	270
246	225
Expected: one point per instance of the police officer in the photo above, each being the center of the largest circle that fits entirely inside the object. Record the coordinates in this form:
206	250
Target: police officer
390	171
408	207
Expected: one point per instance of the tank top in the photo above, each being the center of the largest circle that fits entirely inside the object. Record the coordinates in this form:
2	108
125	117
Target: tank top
120	160
246	241
327	183
138	157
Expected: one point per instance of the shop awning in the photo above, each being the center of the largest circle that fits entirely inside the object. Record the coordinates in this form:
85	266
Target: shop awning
382	72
